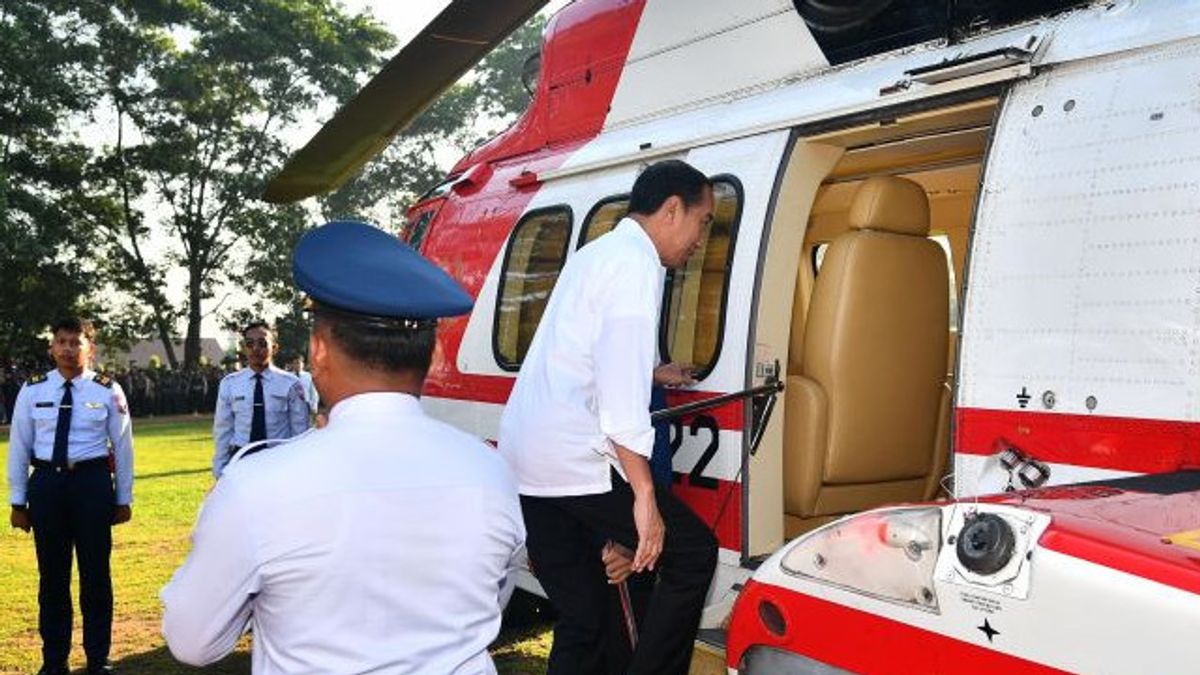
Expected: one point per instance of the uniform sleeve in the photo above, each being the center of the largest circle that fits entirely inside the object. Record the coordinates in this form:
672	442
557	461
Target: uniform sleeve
222	428
625	353
20	448
298	410
208	603
120	434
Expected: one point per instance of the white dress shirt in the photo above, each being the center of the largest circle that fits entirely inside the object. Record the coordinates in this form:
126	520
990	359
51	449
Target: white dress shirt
99	416
310	390
382	543
287	412
585	382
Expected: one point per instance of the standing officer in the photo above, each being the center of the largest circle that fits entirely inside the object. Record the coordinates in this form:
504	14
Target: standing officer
63	424
577	433
381	543
258	402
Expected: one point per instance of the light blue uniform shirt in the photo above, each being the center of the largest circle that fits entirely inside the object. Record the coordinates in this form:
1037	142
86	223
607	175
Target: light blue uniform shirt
287	412
99	416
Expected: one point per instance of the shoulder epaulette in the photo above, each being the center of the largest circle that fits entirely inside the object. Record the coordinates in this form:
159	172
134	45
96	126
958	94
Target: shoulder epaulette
36	379
103	380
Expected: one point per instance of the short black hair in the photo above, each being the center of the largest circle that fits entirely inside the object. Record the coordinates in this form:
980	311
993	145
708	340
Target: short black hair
258	324
379	346
74	324
668	178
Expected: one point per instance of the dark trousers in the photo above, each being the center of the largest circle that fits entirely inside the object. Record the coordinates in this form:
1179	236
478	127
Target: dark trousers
562	536
73	509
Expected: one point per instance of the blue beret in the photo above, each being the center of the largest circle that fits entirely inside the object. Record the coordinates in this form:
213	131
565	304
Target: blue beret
359	269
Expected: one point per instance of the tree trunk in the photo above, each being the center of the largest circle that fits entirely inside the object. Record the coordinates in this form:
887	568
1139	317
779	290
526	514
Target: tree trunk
191	343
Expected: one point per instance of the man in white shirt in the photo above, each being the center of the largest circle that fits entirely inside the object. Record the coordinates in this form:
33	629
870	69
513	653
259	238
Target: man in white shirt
257	403
63	425
381	543
310	390
577	433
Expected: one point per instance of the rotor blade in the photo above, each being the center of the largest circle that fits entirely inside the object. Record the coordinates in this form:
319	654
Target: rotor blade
458	38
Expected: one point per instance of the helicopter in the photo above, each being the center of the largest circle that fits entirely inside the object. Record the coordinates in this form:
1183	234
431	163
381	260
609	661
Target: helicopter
945	322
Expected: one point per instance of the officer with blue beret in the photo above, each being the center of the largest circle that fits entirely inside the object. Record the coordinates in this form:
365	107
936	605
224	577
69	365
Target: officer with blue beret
72	427
383	542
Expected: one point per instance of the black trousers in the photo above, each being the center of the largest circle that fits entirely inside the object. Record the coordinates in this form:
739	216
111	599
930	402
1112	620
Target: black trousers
73	510
564	536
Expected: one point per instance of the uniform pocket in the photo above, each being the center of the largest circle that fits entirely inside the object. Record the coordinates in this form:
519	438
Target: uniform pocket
45	420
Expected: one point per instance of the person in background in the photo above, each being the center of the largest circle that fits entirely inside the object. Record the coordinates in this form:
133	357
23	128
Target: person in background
63	424
296	366
257	403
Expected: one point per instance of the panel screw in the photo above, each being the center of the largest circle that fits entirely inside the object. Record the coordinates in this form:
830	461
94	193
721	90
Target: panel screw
1048	399
819	561
1037	110
1069	105
1091	403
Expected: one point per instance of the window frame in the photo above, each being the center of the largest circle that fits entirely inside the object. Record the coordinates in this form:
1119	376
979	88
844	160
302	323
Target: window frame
664	352
587	221
503	363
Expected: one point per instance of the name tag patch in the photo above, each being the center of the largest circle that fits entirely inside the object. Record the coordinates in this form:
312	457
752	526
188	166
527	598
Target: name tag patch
44	404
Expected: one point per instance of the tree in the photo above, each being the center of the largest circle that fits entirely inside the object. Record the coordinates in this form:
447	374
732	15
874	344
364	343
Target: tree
484	101
200	93
42	83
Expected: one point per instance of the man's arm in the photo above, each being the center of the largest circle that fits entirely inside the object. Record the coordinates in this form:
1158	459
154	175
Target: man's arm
298	411
222	428
120	434
209	601
20	448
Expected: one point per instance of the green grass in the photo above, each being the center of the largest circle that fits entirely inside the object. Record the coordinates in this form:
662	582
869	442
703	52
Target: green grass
172	475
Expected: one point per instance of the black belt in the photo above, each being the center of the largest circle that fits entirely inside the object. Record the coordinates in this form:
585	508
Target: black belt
77	466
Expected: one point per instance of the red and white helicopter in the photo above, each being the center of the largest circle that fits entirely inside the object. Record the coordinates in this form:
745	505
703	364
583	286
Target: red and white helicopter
957	241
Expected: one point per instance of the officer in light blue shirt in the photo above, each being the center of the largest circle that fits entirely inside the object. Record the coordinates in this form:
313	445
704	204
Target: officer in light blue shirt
257	403
72	426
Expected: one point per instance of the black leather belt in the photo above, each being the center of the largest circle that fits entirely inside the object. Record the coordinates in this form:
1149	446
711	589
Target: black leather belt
77	466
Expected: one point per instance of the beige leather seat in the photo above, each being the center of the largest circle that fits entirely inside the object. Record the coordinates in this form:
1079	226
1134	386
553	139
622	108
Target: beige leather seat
867	403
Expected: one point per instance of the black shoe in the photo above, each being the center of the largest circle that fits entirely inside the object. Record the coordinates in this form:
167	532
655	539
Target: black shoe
102	669
54	670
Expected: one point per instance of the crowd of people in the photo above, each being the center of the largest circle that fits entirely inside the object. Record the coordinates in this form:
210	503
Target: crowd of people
152	392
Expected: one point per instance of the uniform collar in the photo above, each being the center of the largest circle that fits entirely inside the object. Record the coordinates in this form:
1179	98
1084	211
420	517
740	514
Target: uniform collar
56	379
637	233
388	402
266	373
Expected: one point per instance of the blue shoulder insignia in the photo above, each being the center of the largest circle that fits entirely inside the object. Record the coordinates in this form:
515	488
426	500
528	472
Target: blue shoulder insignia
103	380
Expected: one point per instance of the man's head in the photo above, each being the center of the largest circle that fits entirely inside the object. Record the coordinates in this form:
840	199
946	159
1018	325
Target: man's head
71	344
258	345
673	202
296	364
347	350
373	330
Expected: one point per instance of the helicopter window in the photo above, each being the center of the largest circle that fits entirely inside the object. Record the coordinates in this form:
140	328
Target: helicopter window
418	228
536	253
695	297
603	217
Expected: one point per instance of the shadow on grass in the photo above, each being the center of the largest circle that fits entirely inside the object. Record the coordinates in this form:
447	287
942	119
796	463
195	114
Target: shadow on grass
160	662
169	474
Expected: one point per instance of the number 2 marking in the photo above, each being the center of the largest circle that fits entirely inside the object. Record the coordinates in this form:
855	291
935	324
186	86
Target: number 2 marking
696	476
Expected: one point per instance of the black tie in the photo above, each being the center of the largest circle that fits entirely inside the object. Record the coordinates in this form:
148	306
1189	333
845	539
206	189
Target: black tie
59	459
258	421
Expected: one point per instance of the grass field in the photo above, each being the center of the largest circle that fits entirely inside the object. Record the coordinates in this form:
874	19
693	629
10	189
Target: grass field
172	475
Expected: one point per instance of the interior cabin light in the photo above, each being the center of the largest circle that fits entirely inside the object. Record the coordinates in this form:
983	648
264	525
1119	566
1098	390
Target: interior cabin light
889	554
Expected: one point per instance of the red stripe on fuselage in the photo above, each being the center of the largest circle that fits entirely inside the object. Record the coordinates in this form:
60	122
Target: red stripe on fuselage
859	641
1117	443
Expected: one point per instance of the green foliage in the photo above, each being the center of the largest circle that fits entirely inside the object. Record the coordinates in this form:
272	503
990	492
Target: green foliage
490	96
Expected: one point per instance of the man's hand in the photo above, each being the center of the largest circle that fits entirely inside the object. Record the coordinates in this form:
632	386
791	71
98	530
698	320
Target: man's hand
618	562
650	531
19	518
673	375
122	514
